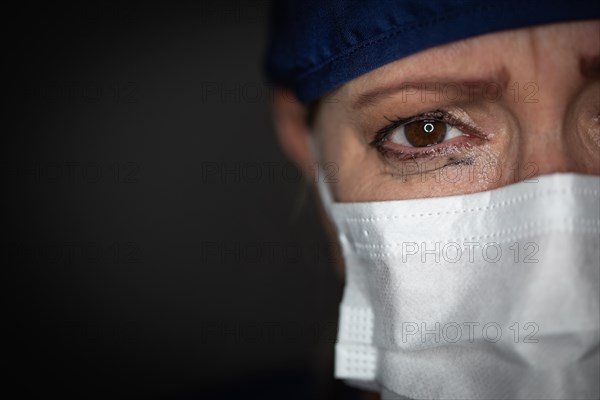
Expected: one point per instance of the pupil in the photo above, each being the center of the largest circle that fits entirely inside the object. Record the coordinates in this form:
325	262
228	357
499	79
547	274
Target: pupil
425	133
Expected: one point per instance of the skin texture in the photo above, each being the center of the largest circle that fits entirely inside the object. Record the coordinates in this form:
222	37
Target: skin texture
531	98
532	95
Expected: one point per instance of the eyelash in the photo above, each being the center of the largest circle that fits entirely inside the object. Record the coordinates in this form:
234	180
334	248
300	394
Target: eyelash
383	135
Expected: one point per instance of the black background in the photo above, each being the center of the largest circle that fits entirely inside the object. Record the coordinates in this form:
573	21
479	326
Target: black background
157	242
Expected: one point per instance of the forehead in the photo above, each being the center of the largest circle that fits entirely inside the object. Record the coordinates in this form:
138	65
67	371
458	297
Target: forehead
488	57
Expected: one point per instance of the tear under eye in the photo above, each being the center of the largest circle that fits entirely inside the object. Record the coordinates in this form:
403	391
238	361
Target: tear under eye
424	133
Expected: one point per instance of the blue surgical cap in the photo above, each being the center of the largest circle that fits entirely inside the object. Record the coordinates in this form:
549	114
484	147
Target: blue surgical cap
317	45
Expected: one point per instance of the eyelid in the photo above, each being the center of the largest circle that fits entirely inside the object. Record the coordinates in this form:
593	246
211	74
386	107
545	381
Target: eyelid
439	115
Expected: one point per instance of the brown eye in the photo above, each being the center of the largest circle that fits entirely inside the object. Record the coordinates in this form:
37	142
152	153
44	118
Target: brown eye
425	133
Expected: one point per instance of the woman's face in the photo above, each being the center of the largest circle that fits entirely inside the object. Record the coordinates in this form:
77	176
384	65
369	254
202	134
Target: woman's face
466	117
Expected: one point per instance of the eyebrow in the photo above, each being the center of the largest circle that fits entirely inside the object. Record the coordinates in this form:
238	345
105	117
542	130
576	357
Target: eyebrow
499	77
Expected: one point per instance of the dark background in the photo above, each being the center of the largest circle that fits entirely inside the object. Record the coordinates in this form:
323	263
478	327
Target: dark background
157	242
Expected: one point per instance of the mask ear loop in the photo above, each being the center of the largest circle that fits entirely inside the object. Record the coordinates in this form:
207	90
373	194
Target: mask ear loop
322	186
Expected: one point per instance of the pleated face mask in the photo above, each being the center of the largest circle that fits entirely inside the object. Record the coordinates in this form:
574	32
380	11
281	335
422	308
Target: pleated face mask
492	295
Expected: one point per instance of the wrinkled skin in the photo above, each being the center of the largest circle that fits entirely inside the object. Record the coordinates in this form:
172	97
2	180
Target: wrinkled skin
532	95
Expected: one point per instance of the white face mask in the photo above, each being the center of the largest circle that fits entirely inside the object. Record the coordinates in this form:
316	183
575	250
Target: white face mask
493	295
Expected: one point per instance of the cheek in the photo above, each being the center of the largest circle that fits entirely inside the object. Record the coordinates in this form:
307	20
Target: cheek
594	132
475	170
343	154
472	169
589	120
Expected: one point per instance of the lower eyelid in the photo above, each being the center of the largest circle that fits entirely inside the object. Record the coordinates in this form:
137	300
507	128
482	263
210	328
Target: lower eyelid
444	149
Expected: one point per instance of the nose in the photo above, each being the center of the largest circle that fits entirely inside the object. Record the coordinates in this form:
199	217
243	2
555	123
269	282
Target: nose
543	146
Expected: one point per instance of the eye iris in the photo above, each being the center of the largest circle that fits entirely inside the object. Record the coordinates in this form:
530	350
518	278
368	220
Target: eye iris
425	133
